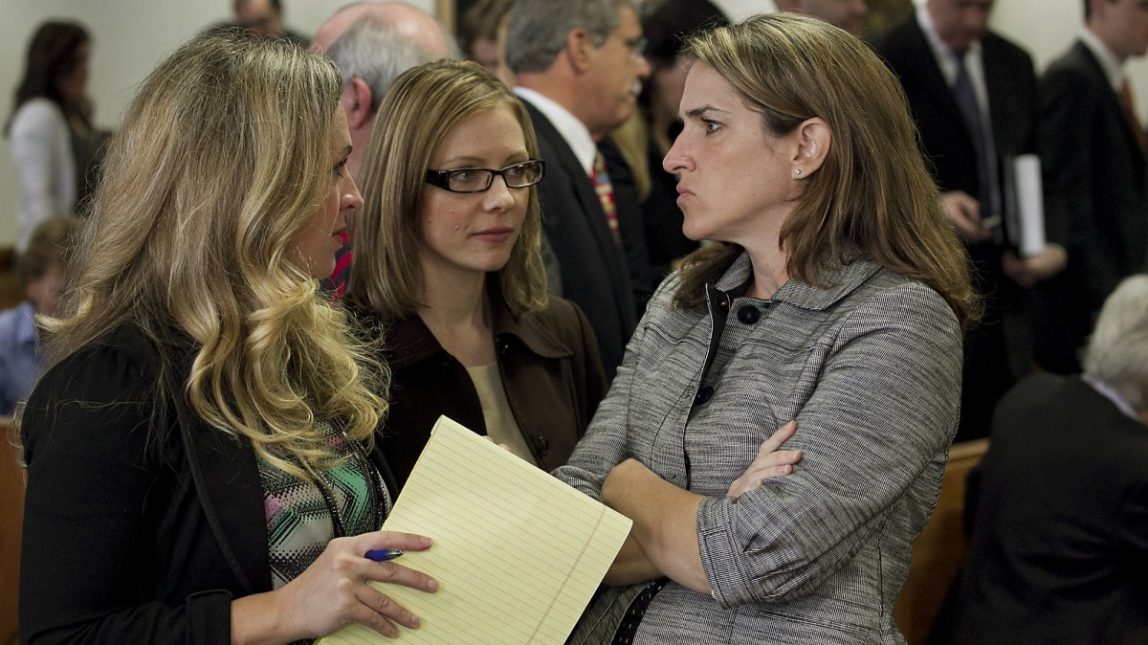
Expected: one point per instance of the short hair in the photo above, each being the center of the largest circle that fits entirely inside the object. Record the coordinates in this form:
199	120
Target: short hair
423	106
482	21
49	246
1117	351
374	51
52	53
536	30
873	192
222	160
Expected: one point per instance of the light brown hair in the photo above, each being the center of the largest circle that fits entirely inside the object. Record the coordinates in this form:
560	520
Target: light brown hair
422	106
873	192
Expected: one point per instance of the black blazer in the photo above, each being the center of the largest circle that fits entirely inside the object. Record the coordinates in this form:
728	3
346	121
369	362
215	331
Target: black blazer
594	270
141	523
1059	550
1094	176
1095	173
948	147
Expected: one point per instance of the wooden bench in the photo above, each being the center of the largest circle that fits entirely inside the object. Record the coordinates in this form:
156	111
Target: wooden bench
940	549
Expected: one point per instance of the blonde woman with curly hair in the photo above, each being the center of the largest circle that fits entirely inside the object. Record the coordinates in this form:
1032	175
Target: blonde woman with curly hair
197	454
448	265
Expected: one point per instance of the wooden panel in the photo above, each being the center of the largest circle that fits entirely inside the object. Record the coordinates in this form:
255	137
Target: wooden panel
940	549
12	512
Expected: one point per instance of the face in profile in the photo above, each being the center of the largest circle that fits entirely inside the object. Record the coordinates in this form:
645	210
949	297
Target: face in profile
619	69
316	245
733	178
474	232
1129	37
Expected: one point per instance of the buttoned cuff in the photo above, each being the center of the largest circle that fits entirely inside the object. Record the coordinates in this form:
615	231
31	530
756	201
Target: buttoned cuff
722	557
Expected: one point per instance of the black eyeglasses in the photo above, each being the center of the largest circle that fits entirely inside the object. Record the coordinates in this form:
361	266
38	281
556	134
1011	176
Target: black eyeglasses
477	180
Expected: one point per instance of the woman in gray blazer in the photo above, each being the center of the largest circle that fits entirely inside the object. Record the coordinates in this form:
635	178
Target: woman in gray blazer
835	297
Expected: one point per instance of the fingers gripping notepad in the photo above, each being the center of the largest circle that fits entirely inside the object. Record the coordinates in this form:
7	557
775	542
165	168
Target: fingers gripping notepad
517	553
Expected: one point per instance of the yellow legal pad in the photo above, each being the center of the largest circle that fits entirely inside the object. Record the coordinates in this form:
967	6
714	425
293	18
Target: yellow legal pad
517	553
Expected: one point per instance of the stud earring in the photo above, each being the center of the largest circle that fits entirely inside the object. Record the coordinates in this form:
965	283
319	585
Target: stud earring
796	172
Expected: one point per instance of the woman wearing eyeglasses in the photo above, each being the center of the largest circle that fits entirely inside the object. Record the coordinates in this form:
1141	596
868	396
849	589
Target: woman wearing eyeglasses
448	268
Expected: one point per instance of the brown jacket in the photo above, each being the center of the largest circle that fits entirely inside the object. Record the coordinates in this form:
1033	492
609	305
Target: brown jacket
550	369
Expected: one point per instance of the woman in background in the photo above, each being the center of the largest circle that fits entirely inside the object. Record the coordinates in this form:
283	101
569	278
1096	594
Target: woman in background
197	468
53	141
666	28
834	297
447	267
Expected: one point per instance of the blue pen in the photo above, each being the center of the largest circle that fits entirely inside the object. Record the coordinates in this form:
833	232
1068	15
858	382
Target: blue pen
382	555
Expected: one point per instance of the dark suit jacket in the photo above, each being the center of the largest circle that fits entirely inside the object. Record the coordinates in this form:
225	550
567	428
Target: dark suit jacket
141	522
1012	91
1095	170
1094	175
595	274
948	148
1059	551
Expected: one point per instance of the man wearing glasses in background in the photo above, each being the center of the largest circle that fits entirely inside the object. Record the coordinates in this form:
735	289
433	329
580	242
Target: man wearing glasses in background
579	69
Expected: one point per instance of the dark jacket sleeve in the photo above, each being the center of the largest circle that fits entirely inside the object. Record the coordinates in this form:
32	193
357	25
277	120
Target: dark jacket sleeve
593	376
97	474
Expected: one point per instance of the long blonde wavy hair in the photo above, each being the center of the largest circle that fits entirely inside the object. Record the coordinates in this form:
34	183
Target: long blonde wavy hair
223	157
873	193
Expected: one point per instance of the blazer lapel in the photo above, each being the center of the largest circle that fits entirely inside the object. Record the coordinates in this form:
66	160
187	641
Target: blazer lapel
227	478
1089	62
584	192
934	81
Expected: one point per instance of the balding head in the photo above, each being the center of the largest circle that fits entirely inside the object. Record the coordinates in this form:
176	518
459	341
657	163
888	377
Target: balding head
372	43
410	21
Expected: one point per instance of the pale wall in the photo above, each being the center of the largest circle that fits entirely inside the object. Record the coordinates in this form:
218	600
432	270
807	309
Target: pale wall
132	35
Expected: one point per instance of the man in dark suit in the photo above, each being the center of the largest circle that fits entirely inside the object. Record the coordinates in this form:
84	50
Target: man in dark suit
1095	167
973	95
1059	550
579	67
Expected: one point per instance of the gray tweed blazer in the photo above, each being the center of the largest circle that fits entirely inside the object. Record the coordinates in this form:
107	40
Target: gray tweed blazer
870	367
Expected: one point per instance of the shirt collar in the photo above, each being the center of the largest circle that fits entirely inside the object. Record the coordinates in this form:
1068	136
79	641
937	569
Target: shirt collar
1109	63
568	125
1112	394
840	279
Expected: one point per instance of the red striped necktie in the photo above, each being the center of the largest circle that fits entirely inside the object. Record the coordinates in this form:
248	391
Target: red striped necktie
605	190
